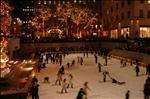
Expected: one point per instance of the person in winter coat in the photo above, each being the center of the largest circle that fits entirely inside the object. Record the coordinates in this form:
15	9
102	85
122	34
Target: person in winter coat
34	80
105	73
34	91
99	67
81	94
86	88
137	70
146	90
127	96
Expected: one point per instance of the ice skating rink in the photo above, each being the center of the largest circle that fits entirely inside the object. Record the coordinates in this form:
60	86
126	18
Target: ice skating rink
89	72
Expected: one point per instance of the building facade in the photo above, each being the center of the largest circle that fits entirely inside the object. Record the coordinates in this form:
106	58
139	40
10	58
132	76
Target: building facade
126	18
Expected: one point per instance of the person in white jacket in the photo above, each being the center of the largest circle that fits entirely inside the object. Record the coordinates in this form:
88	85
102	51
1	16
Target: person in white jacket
64	86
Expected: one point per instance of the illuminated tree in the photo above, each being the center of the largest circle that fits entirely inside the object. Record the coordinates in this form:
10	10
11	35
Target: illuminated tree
5	17
66	13
41	15
5	20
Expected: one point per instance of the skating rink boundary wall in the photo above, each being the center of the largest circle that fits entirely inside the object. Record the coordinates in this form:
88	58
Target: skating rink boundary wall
28	48
129	56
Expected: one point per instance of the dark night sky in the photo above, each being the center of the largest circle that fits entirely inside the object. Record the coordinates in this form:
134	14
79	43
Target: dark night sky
16	4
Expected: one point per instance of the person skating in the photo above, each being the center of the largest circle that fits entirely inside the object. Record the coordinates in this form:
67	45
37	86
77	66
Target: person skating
121	62
70	83
34	80
81	94
96	58
73	62
59	78
104	75
99	67
62	70
116	81
46	79
127	95
64	86
86	88
147	90
106	60
81	61
137	70
34	91
148	69
68	65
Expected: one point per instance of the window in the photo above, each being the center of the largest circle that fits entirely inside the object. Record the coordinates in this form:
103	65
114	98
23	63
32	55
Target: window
50	2
144	32
80	1
94	1
84	2
117	6
128	14
142	1
129	2
122	16
122	4
44	2
63	2
75	1
148	14
141	14
111	19
111	9
117	18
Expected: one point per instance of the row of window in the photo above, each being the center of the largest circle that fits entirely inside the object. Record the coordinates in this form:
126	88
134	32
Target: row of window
29	9
128	15
64	2
128	2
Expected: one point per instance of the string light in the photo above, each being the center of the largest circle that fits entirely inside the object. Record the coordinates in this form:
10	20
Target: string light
78	15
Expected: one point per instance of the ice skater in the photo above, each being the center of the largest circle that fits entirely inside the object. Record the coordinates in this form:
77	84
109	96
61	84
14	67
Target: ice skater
137	70
146	90
68	65
70	83
86	88
121	62
116	81
81	94
127	95
148	69
64	86
105	73
99	67
34	91
81	61
59	78
73	63
96	58
46	79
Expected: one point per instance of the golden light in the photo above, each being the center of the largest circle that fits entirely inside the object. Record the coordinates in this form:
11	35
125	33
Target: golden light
28	68
148	1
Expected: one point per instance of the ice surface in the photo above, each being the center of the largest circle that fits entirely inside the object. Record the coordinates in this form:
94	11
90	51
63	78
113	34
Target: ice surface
89	72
